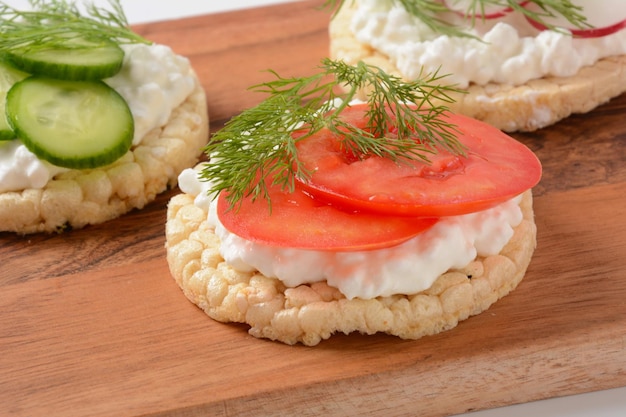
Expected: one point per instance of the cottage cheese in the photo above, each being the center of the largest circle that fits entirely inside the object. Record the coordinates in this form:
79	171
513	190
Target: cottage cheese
407	268
509	50
153	81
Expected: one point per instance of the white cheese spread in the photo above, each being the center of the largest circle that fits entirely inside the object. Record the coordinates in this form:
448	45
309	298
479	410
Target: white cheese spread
153	81
509	50
407	268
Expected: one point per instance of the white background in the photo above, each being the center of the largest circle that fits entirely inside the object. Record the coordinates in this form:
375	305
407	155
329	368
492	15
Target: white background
608	403
142	11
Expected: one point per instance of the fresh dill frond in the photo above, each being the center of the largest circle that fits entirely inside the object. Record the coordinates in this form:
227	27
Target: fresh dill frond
52	23
260	143
551	9
430	12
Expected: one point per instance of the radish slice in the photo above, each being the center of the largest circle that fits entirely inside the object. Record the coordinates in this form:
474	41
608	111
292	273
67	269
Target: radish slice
488	12
604	16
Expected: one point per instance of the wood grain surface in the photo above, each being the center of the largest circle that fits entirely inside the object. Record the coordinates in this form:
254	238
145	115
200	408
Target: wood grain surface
92	324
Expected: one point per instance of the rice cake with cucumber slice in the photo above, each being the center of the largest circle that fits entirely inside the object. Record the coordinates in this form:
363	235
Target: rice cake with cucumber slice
79	197
79	149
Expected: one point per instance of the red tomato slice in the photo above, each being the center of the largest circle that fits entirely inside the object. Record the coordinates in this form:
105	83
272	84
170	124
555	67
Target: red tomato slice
299	221
496	168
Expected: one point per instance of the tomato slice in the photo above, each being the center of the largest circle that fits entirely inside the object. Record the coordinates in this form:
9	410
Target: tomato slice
496	168
299	221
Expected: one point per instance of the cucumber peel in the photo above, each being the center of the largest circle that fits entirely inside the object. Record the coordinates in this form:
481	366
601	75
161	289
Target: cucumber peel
8	76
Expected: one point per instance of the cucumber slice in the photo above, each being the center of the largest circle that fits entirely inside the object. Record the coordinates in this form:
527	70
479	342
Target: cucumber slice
77	60
8	76
72	124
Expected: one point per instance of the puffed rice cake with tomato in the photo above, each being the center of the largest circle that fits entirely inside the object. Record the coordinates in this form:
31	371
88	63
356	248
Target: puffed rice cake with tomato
311	313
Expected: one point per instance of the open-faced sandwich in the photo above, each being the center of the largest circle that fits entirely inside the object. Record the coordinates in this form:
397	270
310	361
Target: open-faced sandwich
319	213
525	64
95	120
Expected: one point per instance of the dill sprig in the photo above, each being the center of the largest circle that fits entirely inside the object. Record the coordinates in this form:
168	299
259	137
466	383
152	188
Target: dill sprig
52	23
259	144
430	12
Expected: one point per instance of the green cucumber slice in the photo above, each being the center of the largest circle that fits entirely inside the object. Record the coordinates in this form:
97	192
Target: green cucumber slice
72	124
77	60
8	76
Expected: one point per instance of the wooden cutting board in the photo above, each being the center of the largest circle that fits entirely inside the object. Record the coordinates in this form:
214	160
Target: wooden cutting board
93	324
